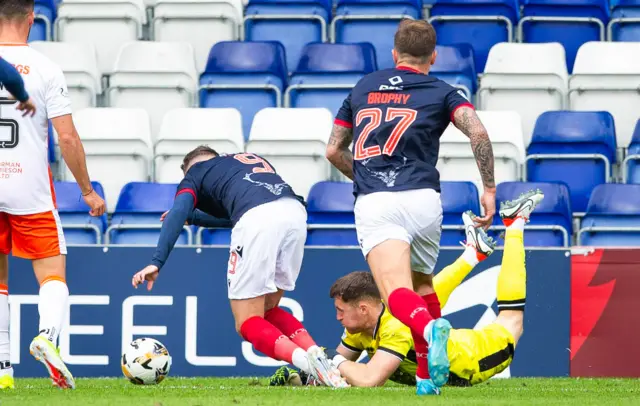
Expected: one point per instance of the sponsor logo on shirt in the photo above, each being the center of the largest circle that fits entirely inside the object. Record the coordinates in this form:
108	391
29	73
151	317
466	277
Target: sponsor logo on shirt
22	69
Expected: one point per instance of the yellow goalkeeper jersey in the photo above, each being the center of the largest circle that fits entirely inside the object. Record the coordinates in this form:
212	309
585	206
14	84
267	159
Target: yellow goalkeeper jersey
390	336
475	355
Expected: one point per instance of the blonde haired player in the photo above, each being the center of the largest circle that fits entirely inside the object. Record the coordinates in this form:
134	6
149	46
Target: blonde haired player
29	224
474	355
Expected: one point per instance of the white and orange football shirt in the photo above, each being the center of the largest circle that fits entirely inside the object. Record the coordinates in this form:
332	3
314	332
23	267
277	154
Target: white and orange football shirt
29	223
25	178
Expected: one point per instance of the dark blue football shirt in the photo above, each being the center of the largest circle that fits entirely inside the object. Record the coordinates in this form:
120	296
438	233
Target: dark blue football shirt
228	186
398	116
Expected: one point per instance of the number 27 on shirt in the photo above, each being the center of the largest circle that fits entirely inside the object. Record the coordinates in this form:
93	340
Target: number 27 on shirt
374	115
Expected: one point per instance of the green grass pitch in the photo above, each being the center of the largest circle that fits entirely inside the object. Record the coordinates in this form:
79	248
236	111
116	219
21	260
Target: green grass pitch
252	391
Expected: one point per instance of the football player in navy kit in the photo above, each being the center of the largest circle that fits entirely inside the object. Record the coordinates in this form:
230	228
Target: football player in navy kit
394	118
267	245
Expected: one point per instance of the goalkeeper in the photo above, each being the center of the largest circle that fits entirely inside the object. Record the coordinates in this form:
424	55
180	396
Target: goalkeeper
474	355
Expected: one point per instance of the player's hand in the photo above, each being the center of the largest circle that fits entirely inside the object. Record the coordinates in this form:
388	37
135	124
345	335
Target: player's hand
96	203
149	273
27	108
164	215
488	201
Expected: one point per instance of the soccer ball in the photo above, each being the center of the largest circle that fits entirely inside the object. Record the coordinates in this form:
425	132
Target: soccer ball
146	362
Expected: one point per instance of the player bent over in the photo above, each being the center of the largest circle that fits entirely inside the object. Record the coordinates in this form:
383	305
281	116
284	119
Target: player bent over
474	355
30	227
267	245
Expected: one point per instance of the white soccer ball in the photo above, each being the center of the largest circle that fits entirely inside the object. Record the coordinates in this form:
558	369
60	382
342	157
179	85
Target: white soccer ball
146	362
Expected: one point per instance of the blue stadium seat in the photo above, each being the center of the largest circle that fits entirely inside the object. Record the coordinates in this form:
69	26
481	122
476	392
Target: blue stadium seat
327	72
455	65
612	217
569	22
481	23
373	21
551	223
79	227
558	147
330	214
456	198
276	20
248	76
631	167
622	26
46	12
136	220
215	236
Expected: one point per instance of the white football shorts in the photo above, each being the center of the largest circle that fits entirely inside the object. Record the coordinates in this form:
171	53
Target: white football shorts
267	247
414	216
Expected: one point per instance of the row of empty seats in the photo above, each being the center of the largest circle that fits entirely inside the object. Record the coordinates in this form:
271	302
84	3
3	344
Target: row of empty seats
205	22
244	75
532	79
250	76
611	219
576	148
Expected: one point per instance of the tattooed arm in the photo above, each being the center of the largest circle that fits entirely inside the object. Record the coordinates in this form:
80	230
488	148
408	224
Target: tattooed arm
338	152
467	121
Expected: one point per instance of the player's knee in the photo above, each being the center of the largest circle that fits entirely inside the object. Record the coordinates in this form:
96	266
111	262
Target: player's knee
47	268
513	321
519	328
272	300
422	283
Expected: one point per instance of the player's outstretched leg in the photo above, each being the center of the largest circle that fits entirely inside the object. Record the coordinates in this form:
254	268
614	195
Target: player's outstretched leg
6	371
52	307
512	280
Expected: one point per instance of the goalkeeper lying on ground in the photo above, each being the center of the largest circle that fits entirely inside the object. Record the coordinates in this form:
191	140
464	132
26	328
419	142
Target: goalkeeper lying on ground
474	355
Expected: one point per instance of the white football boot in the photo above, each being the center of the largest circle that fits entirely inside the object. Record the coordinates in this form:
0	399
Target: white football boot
477	237
521	207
